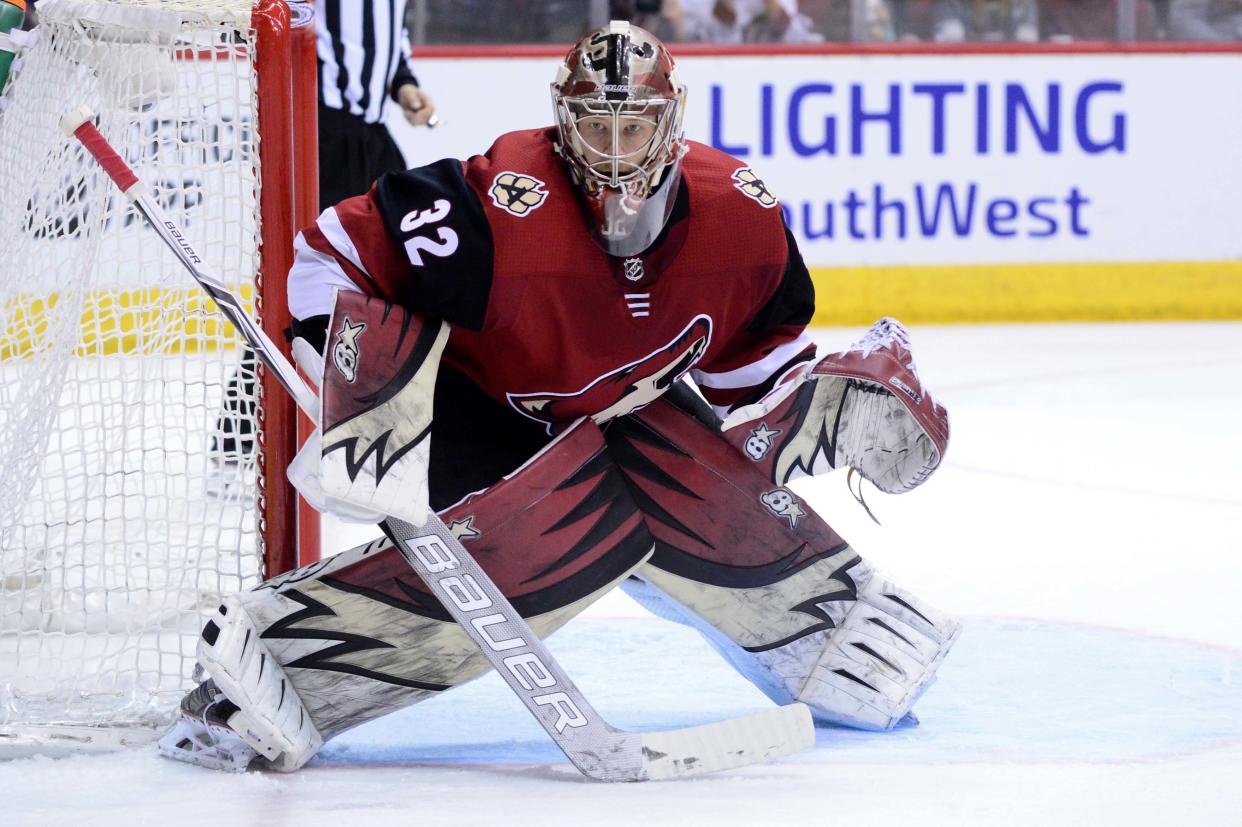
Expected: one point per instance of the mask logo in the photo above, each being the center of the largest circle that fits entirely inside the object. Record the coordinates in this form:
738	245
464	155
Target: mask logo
752	187
596	50
345	351
760	441
623	390
783	504
634	269
518	194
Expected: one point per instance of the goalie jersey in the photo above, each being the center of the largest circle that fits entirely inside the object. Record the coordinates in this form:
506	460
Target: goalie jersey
545	322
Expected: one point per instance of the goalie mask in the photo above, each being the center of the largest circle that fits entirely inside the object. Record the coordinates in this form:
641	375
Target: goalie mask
618	106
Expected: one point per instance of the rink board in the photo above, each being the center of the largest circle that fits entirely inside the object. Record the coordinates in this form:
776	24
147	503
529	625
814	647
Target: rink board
988	184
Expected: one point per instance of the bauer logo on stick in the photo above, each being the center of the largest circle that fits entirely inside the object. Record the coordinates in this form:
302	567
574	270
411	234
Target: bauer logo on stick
345	351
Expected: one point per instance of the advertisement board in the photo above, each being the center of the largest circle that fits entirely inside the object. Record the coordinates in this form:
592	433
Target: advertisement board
1043	184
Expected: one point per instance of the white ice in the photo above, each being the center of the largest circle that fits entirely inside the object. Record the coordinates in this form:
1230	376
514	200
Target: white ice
1086	525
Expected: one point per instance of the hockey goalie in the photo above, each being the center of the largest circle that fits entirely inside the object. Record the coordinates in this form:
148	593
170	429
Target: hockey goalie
545	305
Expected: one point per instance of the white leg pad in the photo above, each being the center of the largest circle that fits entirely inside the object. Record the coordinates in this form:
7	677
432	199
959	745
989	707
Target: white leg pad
270	716
879	659
865	672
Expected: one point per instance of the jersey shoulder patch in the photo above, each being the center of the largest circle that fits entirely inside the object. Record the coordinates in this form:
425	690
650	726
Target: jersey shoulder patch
747	182
518	175
517	193
439	222
735	213
719	174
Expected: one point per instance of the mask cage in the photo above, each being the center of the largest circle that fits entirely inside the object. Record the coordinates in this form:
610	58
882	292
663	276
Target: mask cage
635	169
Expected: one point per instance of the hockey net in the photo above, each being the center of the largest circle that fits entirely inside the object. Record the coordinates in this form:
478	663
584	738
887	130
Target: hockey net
141	458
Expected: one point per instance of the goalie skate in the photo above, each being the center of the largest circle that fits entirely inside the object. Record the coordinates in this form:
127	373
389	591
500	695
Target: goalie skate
202	735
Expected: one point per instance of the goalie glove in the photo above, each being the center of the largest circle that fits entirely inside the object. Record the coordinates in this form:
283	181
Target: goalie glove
368	458
863	407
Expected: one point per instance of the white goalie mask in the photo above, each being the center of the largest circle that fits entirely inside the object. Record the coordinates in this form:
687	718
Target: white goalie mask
619	106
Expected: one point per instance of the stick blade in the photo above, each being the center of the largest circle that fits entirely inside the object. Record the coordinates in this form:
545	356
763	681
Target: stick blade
724	745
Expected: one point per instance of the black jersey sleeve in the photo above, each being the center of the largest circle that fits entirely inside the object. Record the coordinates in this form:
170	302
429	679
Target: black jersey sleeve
439	224
793	302
773	343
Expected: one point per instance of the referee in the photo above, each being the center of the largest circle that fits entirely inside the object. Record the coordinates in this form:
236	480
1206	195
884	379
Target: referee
362	55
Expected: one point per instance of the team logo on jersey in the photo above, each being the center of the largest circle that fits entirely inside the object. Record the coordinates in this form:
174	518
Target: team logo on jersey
782	503
752	187
518	194
625	389
634	269
345	349
760	441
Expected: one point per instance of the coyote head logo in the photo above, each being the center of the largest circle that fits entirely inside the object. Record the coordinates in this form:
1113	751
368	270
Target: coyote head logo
625	389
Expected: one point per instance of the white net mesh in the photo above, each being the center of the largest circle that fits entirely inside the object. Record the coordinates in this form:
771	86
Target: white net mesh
127	482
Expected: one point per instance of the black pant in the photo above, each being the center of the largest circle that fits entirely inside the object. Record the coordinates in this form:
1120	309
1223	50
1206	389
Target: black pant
352	154
475	440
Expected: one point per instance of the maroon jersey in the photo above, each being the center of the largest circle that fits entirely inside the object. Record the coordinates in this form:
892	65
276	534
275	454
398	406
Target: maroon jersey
543	320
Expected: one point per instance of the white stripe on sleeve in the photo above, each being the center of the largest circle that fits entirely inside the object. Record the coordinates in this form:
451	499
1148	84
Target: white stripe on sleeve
329	224
312	279
756	372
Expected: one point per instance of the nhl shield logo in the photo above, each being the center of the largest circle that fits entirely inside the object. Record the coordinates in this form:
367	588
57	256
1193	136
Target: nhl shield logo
752	187
518	194
634	269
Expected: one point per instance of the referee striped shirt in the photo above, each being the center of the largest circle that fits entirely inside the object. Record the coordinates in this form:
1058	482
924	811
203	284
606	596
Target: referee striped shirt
362	48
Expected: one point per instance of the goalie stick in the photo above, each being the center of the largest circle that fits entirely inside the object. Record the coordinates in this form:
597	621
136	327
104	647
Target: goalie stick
598	749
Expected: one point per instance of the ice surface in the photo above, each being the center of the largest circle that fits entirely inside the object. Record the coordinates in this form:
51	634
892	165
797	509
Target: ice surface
1087	527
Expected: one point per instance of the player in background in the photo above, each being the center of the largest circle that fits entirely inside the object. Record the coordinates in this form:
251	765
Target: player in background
542	304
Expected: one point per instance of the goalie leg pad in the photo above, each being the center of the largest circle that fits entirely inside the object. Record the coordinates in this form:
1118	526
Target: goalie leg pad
772	587
359	635
879	660
864	408
865	672
270	716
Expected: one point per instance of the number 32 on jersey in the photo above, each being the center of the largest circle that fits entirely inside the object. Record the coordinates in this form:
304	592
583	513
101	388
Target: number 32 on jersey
419	244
